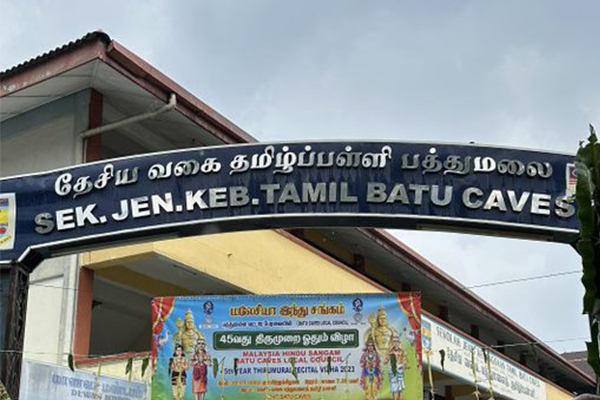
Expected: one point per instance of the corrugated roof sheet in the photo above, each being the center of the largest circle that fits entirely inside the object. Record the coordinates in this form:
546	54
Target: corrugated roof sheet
89	37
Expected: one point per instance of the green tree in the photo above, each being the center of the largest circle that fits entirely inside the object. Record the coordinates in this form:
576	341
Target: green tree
588	245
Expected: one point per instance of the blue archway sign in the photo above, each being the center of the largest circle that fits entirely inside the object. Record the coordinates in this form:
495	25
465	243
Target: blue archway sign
470	188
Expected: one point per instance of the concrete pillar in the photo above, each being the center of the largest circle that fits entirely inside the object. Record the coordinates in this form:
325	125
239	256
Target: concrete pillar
83	321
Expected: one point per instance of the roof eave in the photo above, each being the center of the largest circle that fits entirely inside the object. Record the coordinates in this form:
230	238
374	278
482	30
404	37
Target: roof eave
50	65
156	82
386	240
98	45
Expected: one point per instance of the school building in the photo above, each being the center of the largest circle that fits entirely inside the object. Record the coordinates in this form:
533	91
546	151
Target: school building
93	99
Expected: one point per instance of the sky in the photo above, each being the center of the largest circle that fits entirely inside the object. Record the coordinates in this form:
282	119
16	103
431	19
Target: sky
517	73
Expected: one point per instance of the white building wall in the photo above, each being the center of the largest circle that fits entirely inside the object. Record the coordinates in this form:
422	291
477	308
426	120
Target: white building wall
45	147
42	139
43	319
51	310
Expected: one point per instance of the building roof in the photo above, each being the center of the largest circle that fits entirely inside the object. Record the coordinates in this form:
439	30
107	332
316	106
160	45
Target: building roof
579	359
87	38
98	45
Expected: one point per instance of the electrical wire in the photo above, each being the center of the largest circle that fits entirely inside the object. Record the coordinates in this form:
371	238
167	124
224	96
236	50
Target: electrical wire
526	279
538	342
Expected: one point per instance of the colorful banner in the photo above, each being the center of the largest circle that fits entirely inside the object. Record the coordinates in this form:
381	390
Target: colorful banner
499	376
360	346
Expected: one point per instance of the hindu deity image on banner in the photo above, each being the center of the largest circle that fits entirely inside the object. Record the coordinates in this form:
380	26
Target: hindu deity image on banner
346	347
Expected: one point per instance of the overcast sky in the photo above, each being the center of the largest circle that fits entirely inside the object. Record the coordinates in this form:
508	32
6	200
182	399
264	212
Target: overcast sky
519	73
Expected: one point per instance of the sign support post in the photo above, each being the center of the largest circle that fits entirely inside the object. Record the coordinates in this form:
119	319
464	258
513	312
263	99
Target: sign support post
15	328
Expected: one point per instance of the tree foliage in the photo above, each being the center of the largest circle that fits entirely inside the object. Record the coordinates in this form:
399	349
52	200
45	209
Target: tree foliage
588	245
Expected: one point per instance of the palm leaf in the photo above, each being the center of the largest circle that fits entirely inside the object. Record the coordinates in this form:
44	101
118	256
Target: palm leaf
145	364
215	365
129	368
71	362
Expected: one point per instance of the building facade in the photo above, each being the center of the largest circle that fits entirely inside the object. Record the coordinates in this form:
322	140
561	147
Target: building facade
93	99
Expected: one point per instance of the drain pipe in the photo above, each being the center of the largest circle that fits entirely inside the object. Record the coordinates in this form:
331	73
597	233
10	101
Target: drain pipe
126	121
